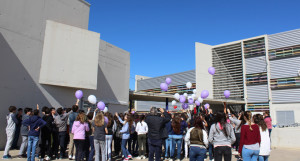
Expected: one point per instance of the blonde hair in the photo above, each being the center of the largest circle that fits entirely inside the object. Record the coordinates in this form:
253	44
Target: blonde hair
99	119
248	117
81	118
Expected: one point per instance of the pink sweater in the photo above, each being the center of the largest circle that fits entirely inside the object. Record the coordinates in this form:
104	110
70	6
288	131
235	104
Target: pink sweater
79	129
268	121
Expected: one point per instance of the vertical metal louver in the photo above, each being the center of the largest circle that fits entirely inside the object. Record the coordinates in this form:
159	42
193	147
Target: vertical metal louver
227	61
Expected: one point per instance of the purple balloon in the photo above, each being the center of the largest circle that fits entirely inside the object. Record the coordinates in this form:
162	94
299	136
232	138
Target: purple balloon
101	105
164	87
204	94
182	99
197	103
191	101
206	106
78	94
168	81
227	93
211	70
105	119
185	106
132	112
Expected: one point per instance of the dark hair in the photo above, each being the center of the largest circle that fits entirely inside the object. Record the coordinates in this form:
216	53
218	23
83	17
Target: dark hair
44	108
184	116
12	108
36	112
198	122
176	124
68	110
59	111
221	118
81	111
20	109
52	108
74	108
259	120
47	111
110	119
141	118
27	109
90	115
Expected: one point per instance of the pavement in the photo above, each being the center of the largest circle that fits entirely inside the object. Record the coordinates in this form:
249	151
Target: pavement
277	154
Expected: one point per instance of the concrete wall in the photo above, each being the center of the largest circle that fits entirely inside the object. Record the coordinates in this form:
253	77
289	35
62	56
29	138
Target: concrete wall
22	29
285	137
285	107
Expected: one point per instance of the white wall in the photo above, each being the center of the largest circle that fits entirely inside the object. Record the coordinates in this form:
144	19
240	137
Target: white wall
285	107
204	81
286	137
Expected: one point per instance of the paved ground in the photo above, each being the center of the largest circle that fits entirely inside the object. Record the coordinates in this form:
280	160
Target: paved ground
278	154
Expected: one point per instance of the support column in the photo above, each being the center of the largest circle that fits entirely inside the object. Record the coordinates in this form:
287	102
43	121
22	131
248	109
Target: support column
130	105
167	103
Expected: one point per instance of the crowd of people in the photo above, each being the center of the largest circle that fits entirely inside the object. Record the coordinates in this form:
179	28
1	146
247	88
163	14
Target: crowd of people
157	135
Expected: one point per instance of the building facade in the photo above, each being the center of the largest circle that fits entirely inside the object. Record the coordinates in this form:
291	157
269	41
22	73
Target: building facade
48	53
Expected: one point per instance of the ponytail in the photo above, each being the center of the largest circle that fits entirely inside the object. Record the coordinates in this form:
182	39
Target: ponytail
248	117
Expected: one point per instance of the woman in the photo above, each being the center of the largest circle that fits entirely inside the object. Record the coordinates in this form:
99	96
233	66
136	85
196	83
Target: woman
178	127
264	150
109	135
117	135
197	137
222	136
142	129
268	121
127	125
100	130
250	139
78	129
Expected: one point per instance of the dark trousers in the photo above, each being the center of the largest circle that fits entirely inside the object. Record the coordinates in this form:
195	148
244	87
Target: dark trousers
87	147
79	144
92	152
62	138
211	151
46	145
16	137
154	148
142	144
237	142
117	145
223	151
132	143
55	144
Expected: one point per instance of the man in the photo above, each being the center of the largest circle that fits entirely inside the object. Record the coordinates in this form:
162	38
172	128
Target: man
155	129
18	128
10	130
24	133
46	134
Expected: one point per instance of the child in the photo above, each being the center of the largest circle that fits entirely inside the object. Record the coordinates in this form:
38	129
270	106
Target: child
10	130
24	133
79	128
99	136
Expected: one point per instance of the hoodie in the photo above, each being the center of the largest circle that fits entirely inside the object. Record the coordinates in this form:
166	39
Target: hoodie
24	129
47	129
34	122
217	136
79	130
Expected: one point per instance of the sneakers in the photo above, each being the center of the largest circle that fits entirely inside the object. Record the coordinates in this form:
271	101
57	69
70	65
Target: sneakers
6	157
177	160
139	158
47	158
171	160
73	158
70	157
144	157
129	157
235	153
126	159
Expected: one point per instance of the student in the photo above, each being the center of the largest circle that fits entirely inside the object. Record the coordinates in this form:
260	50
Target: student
250	139
72	118
109	135
100	130
178	127
80	127
117	136
10	130
168	150
142	130
24	133
222	136
46	135
35	123
268	121
197	137
54	134
18	128
264	150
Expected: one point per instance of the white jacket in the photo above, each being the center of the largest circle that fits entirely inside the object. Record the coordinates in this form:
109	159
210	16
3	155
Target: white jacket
141	128
265	145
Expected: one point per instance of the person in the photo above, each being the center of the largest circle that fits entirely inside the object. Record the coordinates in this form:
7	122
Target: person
178	127
268	121
54	135
197	137
264	150
10	130
100	130
142	130
210	119
35	123
168	141
117	135
127	126
46	134
72	118
250	139
79	128
221	135
91	117
155	126
132	141
24	133
61	124
109	135
18	128
187	118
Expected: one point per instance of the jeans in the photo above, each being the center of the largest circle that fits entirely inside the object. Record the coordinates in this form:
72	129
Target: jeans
79	144
62	137
211	151
125	151
23	145
10	136
142	144
92	152
263	158
108	140
177	140
117	145
99	144
237	142
168	145
250	155
132	143
270	130
197	153
46	145
221	151
154	148
16	137
54	148
32	142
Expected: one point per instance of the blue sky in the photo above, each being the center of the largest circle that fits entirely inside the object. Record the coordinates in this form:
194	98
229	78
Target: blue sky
161	34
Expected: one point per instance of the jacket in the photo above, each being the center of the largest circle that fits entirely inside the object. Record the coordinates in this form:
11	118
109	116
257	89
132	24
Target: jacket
141	128
217	137
237	123
183	126
249	137
265	143
24	129
34	122
79	130
195	139
47	129
61	121
72	118
11	121
155	125
125	129
268	121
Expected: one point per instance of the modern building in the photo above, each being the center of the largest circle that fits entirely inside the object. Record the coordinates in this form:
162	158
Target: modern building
48	53
262	71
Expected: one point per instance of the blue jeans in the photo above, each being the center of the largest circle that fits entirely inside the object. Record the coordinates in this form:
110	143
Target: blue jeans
250	155
92	152
168	145
32	142
125	151
197	153
210	151
263	158
176	140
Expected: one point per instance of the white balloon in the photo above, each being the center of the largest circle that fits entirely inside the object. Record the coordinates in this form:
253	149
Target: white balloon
185	94
105	110
191	107
92	99
173	103
200	99
194	96
176	96
189	85
194	91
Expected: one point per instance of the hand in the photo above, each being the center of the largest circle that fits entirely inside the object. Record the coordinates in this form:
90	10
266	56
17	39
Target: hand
161	110
96	109
89	109
37	106
228	111
37	129
116	114
77	102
